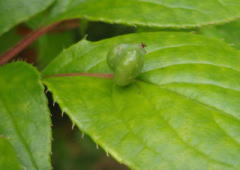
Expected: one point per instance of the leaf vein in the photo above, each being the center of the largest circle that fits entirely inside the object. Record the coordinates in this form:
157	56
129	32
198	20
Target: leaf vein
204	155
18	133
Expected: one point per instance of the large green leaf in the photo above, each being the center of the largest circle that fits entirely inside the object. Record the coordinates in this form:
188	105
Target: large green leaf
229	32
152	13
8	158
13	12
24	115
182	113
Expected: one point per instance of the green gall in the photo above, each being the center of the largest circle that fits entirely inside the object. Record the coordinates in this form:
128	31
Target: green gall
126	61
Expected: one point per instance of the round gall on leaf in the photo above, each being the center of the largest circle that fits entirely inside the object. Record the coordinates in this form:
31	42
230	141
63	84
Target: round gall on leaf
126	61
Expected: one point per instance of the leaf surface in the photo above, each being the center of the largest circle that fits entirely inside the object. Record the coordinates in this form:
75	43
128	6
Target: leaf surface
24	115
151	13
181	113
8	159
13	12
228	32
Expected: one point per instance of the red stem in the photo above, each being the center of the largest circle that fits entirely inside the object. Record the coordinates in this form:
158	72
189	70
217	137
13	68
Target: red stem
25	43
100	75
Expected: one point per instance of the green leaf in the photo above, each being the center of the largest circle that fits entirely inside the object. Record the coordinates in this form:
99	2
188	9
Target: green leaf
151	13
8	159
8	39
229	32
13	12
50	45
182	113
24	115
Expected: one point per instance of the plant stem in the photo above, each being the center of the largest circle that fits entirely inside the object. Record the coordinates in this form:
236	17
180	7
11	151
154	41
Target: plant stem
29	39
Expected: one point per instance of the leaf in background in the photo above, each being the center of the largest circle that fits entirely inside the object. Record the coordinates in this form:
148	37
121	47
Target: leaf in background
13	12
8	39
151	13
229	32
24	115
182	113
52	14
50	45
8	158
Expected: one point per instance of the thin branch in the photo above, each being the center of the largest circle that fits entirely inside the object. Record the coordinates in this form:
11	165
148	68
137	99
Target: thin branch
29	39
66	25
100	75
